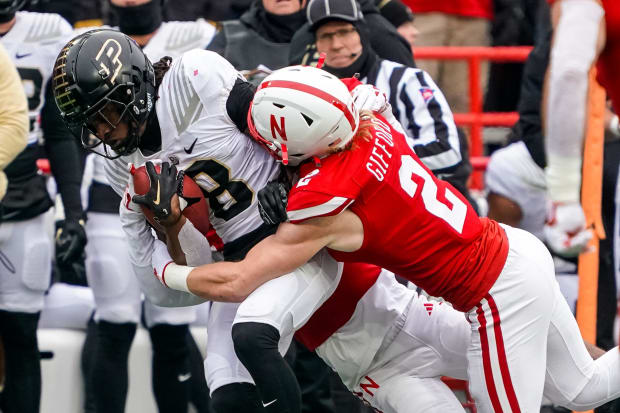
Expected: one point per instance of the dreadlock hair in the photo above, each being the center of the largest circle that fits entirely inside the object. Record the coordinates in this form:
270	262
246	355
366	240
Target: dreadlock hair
161	67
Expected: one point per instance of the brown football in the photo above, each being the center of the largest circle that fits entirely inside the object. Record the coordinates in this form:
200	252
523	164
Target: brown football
197	210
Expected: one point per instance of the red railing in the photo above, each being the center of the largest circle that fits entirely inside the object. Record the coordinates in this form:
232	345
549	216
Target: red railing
476	119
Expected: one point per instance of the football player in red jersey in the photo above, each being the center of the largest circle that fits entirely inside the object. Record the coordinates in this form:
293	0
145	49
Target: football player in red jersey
371	200
586	33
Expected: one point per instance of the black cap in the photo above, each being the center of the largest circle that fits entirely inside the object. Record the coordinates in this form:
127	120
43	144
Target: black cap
395	12
319	11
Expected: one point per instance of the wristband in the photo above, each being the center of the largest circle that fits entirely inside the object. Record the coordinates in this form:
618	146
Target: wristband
563	178
175	277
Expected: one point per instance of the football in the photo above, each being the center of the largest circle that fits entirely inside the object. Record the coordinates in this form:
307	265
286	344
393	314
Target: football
197	210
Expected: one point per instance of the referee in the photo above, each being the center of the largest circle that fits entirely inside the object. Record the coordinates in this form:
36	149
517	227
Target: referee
416	101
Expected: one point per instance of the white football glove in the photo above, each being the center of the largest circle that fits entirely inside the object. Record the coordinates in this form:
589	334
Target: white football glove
565	230
160	259
368	97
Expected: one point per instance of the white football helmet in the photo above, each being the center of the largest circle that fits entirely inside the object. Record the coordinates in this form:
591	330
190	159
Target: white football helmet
299	112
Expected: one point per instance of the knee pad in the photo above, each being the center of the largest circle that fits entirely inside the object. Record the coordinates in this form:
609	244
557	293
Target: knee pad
37	264
250	337
236	397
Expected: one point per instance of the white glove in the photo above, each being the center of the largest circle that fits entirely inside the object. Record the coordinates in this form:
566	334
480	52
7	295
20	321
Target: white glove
565	230
368	97
160	260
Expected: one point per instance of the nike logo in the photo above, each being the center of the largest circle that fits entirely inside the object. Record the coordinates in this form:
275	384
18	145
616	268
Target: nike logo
156	201
270	403
21	56
184	377
191	148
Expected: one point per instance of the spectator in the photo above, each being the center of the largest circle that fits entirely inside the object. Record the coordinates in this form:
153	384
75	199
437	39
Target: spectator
401	17
514	24
260	40
385	39
80	13
453	23
214	10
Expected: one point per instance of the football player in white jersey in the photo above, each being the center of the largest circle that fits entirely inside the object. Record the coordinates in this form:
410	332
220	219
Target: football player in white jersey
194	119
33	40
109	271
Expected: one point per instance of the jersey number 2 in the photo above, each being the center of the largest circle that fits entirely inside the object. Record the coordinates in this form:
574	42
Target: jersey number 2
455	216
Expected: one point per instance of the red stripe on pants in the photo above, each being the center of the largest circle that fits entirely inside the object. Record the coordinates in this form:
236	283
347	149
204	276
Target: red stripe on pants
486	361
501	355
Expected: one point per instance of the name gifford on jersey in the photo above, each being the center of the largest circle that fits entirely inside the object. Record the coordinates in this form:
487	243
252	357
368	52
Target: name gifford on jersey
376	165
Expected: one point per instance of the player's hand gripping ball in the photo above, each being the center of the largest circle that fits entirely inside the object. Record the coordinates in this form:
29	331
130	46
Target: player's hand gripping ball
164	194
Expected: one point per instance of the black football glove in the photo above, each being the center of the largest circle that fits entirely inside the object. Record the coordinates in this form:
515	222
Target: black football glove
70	240
272	200
69	255
73	272
163	187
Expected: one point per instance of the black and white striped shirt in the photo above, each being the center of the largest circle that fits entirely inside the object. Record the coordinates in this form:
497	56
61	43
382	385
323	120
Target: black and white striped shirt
421	108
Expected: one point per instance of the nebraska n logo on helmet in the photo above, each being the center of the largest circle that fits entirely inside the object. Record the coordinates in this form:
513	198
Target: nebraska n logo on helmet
299	112
121	88
281	129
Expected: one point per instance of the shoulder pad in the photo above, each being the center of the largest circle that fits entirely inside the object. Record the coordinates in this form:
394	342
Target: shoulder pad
189	35
47	28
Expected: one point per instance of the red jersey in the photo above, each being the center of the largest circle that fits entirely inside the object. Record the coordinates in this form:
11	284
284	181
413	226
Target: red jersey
415	225
356	279
610	56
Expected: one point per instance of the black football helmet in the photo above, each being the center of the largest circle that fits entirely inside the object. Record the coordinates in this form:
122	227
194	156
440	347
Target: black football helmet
98	72
8	8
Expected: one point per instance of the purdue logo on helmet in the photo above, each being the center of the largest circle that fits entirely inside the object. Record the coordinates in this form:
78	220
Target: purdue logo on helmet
102	77
112	49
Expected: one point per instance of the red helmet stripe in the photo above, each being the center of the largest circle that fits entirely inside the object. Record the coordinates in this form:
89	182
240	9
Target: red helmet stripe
287	84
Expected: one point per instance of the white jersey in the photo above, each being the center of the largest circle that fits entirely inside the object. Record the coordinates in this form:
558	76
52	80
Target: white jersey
198	134
33	43
171	39
175	38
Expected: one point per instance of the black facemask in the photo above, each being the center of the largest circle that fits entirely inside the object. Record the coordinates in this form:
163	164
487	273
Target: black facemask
139	20
5	18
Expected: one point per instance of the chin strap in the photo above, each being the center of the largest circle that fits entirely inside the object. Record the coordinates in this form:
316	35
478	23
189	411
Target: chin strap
284	154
